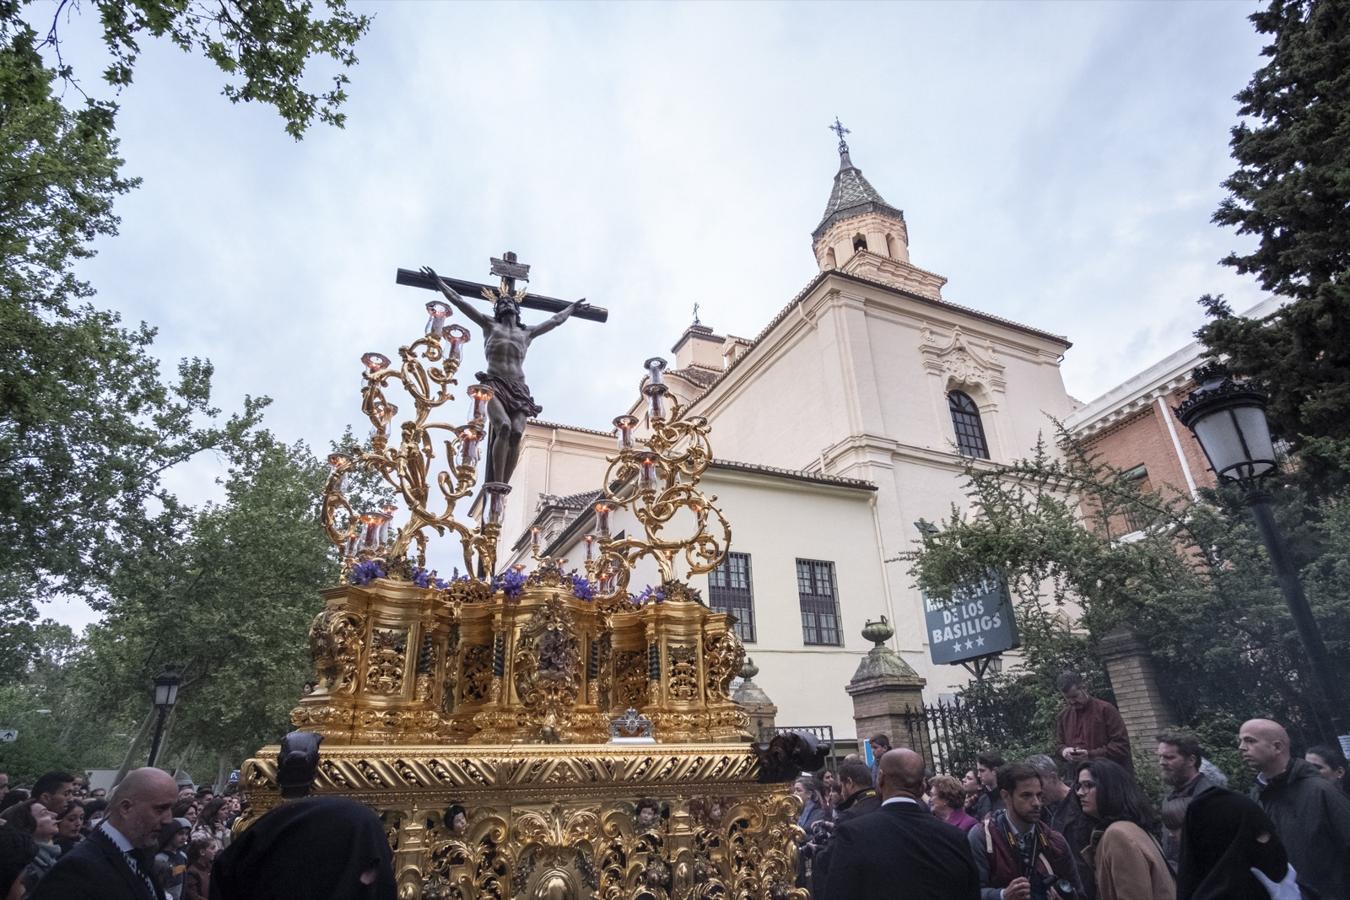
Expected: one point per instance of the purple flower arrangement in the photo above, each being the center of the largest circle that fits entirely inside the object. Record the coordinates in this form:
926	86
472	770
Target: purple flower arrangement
424	579
581	587
510	583
649	594
366	572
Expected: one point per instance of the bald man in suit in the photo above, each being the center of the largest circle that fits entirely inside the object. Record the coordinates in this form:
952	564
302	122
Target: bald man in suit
116	861
901	848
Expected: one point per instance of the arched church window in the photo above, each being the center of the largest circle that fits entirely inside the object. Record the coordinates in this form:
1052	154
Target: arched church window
966	422
859	243
890	247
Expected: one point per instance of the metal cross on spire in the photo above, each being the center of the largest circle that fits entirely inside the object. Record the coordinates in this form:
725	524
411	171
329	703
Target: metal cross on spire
839	129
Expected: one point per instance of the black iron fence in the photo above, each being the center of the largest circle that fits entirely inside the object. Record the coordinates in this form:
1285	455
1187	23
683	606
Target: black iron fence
950	734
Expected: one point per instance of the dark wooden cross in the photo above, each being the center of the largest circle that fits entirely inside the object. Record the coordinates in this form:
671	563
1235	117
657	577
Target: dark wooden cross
509	270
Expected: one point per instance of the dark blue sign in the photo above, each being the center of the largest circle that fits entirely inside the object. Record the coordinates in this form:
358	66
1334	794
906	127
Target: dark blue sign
977	621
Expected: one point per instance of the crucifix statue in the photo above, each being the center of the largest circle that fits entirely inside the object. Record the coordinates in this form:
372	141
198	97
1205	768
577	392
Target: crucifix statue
506	341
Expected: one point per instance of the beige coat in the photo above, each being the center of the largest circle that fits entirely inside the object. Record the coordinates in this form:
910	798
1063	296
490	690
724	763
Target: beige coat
1130	866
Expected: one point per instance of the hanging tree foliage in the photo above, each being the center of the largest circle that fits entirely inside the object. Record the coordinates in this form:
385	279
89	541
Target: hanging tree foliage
88	421
1191	580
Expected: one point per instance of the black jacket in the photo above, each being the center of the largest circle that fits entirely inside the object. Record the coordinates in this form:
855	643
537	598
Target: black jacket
858	804
1313	819
95	870
900	850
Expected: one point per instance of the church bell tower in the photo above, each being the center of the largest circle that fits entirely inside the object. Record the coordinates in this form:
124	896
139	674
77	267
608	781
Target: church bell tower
860	233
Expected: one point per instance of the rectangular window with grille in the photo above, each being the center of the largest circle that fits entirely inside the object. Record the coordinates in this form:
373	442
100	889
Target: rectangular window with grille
729	591
820	603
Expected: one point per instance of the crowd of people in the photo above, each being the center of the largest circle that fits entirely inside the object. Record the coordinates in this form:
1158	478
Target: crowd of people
1074	825
1079	824
41	825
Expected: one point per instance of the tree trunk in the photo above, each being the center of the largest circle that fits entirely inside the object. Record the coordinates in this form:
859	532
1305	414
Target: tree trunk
222	772
183	757
129	760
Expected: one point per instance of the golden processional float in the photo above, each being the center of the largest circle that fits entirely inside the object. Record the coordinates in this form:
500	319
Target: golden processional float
542	734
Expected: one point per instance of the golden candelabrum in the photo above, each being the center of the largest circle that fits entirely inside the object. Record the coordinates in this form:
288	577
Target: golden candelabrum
537	733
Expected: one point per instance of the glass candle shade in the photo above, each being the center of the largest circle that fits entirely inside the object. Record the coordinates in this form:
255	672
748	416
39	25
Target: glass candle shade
656	404
534	539
470	439
388	512
437	311
603	509
624	425
496	508
458	336
383	413
372	522
375	362
480	394
590	547
518	568
648	472
609	581
338	460
655	367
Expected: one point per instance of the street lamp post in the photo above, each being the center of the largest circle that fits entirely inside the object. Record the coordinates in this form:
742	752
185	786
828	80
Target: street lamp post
165	696
1229	421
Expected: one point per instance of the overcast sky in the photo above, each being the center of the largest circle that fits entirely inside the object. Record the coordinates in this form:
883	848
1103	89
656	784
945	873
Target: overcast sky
1057	162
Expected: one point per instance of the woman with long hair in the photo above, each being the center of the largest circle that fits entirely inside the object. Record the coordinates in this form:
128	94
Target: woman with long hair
807	790
39	823
1128	862
70	827
211	823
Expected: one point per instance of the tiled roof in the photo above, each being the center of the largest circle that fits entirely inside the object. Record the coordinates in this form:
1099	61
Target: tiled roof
543	424
794	474
698	375
851	195
582	500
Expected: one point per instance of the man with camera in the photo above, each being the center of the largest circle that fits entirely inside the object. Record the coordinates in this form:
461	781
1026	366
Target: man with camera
1018	857
858	797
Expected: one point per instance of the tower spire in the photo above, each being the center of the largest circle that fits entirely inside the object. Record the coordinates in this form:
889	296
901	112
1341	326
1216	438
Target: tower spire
839	129
857	219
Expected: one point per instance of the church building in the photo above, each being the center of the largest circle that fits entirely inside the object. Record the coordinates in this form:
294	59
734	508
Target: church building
845	421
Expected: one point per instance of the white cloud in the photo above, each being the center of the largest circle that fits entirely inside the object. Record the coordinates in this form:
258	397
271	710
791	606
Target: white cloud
1058	163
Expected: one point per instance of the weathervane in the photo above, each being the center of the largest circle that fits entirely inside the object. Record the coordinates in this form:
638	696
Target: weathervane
839	129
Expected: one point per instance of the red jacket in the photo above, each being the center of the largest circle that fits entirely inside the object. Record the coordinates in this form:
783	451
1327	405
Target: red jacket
1099	730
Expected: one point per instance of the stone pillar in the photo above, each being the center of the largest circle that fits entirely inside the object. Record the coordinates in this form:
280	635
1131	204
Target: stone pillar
754	701
888	694
1130	668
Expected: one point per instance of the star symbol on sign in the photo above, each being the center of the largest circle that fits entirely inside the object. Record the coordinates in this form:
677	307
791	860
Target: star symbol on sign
970	645
956	647
979	641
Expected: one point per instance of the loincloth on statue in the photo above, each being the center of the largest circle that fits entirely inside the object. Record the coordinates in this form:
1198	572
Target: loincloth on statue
514	395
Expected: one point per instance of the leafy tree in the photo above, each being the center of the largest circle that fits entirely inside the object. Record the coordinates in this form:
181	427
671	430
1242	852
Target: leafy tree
1292	191
1195	586
264	46
88	423
229	605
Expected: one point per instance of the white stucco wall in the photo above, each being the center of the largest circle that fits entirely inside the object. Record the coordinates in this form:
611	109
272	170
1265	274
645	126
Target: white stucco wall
852	382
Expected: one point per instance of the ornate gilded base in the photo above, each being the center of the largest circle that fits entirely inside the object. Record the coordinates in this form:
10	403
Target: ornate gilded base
566	822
